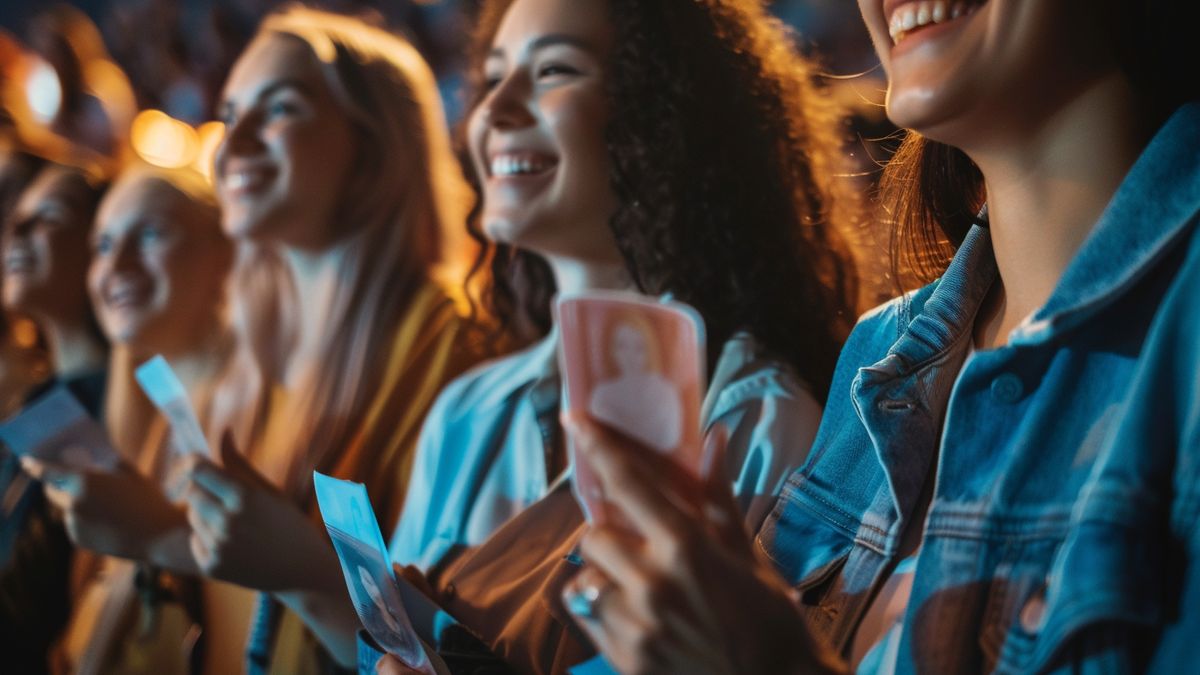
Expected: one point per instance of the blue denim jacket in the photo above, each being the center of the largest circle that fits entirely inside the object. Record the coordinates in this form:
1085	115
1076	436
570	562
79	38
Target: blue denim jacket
1062	533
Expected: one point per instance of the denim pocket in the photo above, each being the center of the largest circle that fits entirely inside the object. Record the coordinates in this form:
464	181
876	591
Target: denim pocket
1105	581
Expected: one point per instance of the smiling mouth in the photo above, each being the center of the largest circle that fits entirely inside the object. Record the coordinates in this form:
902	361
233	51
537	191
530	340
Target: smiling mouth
246	181
19	263
127	296
520	164
911	17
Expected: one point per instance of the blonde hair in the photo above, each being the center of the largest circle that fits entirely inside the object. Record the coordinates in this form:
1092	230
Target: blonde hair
133	424
407	188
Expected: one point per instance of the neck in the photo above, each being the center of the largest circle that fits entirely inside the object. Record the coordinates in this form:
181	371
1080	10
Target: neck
572	275
196	362
1046	188
316	276
75	350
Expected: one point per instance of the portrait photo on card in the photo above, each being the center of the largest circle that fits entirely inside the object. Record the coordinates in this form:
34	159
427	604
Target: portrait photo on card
635	366
376	598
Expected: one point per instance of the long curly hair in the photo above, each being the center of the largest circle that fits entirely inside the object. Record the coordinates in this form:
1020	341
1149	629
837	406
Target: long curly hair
723	156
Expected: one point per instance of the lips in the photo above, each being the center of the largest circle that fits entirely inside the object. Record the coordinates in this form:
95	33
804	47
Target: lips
907	17
19	262
127	294
245	179
520	163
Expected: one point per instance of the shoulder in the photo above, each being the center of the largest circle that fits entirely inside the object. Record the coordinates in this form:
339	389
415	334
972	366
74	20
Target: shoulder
491	384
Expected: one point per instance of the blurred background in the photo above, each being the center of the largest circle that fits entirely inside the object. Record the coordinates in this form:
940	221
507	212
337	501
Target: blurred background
86	69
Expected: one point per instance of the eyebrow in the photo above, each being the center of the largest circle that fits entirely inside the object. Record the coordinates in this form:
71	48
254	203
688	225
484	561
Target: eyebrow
550	40
267	90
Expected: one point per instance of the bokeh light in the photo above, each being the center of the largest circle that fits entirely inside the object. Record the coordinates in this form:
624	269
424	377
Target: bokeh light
164	141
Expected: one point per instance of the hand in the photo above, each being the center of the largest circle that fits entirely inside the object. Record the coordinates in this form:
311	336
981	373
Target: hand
245	531
118	512
674	585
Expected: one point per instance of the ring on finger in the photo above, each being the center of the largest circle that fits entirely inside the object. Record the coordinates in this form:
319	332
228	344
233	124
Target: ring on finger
584	601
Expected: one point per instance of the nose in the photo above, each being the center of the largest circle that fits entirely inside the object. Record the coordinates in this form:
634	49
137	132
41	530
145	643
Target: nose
126	256
507	105
241	138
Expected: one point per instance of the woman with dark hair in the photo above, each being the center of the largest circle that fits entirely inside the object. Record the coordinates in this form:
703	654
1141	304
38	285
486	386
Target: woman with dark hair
1006	477
674	148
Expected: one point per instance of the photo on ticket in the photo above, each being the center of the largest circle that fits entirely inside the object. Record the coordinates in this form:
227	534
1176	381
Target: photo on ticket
377	599
636	365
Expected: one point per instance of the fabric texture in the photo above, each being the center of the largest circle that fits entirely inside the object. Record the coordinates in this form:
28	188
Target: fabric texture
1062	534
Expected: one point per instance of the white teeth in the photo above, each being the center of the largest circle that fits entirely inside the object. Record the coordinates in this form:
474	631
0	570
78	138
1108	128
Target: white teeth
515	165
912	15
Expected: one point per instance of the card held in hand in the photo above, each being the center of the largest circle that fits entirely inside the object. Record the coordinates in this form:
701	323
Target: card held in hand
636	365
167	393
57	429
378	599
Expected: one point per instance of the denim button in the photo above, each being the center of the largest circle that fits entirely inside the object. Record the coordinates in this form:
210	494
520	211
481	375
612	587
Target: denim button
1007	388
1033	614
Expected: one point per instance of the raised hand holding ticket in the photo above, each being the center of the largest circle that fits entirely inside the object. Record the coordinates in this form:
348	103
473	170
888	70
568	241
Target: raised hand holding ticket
636	365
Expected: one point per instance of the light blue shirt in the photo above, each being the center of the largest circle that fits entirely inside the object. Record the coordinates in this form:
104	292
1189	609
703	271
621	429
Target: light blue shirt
481	458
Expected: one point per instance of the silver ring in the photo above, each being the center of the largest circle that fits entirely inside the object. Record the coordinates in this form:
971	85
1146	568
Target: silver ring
583	603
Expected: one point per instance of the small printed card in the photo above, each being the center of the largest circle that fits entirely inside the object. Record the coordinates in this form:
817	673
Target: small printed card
163	388
378	598
635	364
57	429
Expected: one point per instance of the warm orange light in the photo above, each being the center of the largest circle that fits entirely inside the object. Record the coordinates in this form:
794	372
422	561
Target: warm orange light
162	140
210	134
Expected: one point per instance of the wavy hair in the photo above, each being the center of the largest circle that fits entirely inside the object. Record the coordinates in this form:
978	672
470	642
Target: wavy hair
407	187
724	161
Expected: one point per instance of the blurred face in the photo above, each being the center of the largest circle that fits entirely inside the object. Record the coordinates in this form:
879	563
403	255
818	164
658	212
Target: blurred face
288	147
960	68
629	350
45	247
537	138
159	267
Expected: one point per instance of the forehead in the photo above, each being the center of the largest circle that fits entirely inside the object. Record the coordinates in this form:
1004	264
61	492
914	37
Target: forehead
583	21
270	58
53	183
136	196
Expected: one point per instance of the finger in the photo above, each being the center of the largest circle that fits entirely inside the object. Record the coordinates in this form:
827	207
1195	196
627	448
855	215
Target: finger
628	481
614	552
615	631
216	482
390	665
236	463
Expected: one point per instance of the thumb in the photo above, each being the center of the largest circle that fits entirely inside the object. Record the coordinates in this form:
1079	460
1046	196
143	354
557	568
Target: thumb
234	462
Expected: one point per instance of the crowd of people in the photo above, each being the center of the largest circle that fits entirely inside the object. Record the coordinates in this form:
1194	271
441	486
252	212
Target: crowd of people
996	470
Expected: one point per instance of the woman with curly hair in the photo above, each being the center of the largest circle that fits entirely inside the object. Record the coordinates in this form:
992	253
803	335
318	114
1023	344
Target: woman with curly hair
674	148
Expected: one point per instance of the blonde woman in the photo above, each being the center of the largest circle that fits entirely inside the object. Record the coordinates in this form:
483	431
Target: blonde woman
157	280
337	175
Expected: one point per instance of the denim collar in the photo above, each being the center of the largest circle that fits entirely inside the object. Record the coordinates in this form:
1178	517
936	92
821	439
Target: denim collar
1151	211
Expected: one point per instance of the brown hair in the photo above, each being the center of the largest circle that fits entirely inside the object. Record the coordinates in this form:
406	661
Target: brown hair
933	191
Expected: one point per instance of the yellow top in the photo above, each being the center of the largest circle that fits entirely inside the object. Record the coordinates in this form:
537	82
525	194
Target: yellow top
429	350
